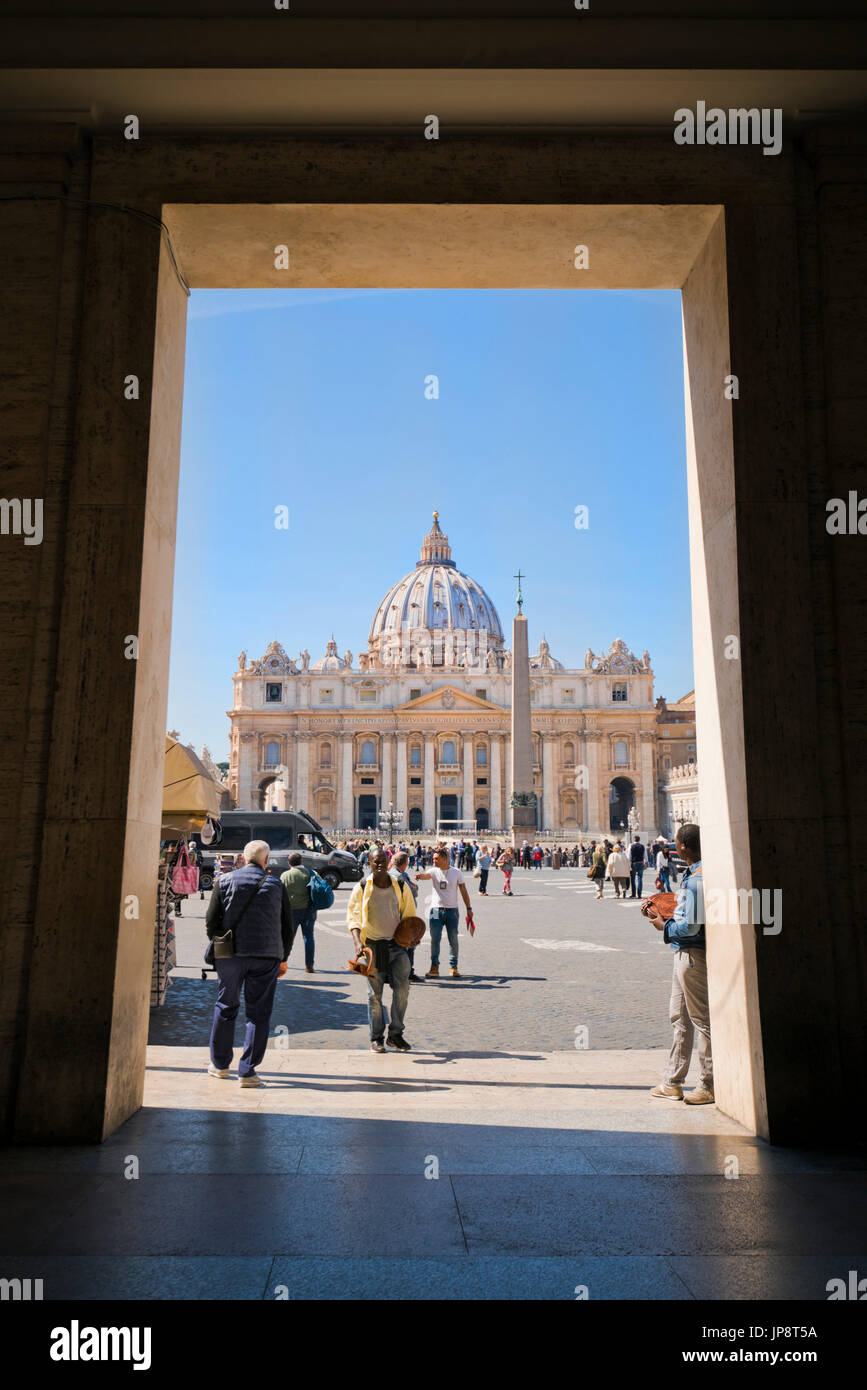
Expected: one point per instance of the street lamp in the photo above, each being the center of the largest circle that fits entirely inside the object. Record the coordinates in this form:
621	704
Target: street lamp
390	820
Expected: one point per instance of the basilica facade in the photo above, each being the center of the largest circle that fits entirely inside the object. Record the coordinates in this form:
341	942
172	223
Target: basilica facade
420	722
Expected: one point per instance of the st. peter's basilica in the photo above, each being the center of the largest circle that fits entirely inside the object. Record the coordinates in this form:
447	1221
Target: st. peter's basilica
421	721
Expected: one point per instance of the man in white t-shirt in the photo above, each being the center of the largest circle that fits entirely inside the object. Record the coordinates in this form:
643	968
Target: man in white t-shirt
445	884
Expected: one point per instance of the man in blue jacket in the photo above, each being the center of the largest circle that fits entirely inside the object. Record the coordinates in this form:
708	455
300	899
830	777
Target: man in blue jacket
688	1009
254	906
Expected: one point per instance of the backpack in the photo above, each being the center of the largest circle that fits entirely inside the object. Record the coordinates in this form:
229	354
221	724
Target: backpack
321	892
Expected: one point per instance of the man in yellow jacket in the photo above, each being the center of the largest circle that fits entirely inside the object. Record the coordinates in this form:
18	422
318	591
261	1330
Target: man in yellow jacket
376	908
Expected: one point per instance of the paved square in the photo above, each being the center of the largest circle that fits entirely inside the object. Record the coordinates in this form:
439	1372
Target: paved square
542	964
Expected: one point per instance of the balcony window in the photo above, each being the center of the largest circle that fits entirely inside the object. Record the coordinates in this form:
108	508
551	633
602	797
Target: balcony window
368	754
272	754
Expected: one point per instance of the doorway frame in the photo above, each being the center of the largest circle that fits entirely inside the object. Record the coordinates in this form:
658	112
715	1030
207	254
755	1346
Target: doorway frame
138	312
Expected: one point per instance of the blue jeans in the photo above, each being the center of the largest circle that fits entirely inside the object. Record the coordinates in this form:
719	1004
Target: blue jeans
444	917
398	972
636	876
305	918
483	880
663	874
258	975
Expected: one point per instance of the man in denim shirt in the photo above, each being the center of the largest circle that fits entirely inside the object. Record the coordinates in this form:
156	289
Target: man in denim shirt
688	1009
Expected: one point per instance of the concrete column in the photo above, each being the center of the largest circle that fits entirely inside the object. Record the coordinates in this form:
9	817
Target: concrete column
549	810
345	812
430	814
496	781
78	315
387	775
507	765
302	765
648	784
469	807
401	788
592	740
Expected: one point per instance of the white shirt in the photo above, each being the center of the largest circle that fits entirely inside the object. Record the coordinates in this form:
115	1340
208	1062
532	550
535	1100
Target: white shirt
444	887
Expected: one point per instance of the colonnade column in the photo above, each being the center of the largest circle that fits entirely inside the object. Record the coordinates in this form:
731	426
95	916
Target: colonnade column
246	755
497	822
548	789
430	814
345	809
387	775
302	763
468	809
648	781
400	795
592	738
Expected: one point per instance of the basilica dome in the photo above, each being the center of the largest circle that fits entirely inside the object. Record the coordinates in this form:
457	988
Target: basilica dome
330	661
434	601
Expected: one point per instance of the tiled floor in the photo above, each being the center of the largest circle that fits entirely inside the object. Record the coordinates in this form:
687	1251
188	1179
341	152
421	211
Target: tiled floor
470	1175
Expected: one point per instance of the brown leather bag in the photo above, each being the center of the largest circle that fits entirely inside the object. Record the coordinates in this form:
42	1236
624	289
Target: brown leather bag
410	932
665	903
363	962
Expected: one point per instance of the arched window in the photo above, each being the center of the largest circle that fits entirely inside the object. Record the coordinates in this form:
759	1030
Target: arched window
368	753
449	755
569	754
621	753
325	755
415	755
272	753
481	756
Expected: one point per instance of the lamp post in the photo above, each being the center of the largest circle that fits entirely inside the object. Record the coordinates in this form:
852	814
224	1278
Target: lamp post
390	820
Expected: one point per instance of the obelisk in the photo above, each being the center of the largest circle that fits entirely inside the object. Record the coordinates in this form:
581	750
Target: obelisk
523	807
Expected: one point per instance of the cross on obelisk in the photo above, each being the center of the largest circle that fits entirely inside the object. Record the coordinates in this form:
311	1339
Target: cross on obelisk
519	576
522	811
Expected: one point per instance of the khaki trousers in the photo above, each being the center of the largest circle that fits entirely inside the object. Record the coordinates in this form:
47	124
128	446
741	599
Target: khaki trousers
689	1014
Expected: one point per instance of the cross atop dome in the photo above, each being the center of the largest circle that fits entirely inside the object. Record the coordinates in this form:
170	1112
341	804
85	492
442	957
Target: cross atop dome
435	549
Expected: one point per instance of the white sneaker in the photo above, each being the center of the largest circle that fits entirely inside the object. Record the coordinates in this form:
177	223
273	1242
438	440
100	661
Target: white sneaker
221	1072
251	1080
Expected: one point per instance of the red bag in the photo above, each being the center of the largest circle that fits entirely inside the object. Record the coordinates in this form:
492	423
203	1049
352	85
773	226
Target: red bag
185	877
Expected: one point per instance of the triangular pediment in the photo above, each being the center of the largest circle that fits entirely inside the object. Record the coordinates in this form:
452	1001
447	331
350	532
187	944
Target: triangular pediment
448	698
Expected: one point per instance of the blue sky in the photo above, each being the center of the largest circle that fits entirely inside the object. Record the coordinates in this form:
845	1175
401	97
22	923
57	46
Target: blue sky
314	399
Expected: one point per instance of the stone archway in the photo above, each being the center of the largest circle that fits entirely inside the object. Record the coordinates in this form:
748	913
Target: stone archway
271	795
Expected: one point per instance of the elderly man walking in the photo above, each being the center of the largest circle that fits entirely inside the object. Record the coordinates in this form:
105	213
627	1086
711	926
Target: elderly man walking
375	910
251	908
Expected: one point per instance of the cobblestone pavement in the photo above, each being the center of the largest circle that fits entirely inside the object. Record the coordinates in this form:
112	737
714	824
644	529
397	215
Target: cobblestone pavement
542	964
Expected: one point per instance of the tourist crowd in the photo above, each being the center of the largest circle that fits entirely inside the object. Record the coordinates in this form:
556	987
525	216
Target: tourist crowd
253	916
